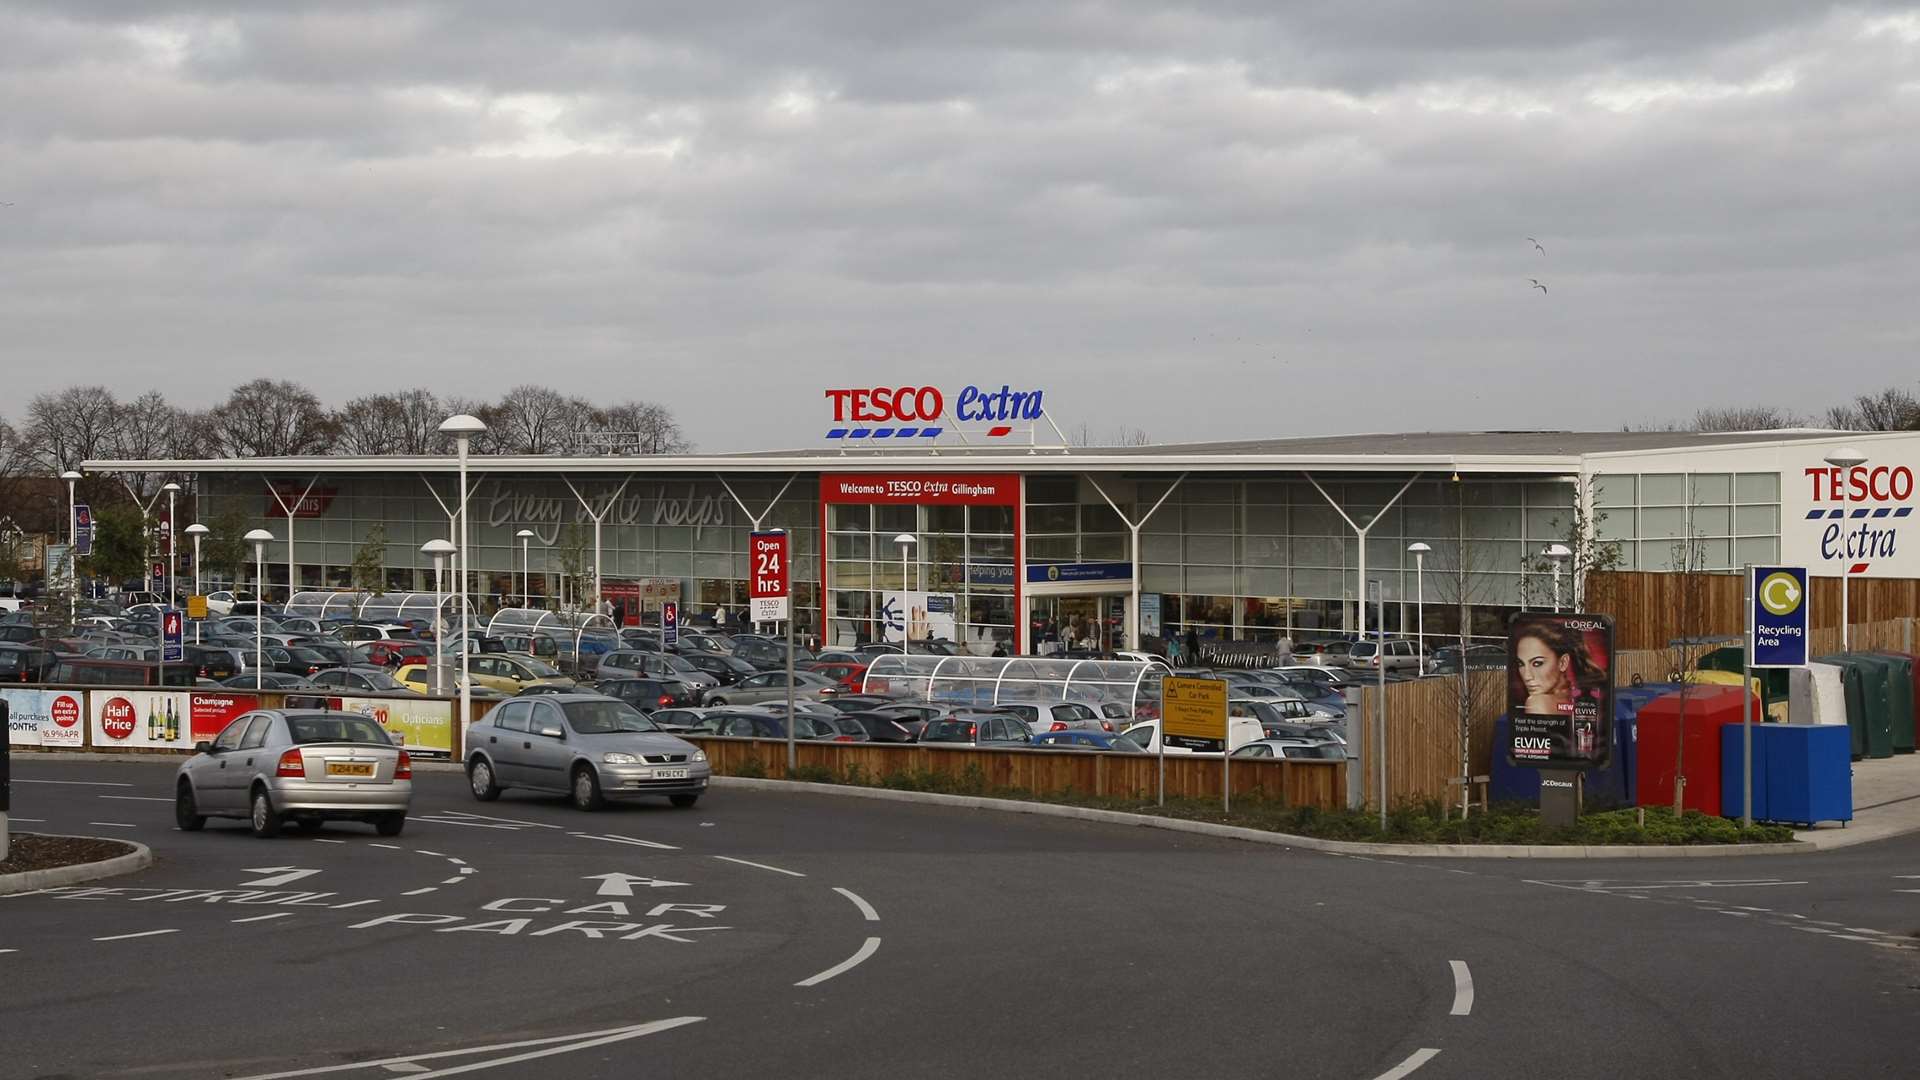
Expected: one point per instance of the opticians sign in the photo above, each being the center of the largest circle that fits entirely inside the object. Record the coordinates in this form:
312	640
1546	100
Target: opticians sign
1856	521
927	412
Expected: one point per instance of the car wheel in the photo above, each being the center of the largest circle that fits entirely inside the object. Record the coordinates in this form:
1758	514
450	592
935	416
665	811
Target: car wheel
684	801
586	789
185	812
480	779
390	824
265	819
716	702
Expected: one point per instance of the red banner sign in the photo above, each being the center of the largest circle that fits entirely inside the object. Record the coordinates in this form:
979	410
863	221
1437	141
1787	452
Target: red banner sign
921	489
312	506
209	714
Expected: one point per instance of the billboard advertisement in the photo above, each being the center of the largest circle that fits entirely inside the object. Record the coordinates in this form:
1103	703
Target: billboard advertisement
44	718
146	719
919	616
425	726
209	714
1560	691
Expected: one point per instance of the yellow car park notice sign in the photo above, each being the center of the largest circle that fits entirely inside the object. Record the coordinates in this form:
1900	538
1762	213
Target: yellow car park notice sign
196	607
1193	713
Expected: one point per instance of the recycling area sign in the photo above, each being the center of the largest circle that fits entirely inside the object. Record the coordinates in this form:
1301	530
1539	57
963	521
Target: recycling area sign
1777	617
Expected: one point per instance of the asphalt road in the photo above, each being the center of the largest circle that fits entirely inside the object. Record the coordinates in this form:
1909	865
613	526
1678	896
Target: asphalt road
808	935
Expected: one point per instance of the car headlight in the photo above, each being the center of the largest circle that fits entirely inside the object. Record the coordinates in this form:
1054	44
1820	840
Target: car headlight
699	755
620	759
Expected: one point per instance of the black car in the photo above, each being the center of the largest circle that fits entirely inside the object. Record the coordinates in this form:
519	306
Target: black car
759	725
727	669
766	656
209	663
24	663
883	727
648	694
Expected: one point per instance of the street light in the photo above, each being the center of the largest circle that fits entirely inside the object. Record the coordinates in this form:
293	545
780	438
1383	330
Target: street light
1419	548
197	530
906	542
1845	457
463	428
259	538
173	538
1557	554
72	477
526	578
439	549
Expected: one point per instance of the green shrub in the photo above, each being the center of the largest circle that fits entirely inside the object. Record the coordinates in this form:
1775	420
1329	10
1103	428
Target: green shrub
751	767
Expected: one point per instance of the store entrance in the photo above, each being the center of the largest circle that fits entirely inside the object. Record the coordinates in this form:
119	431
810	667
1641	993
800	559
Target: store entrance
1060	624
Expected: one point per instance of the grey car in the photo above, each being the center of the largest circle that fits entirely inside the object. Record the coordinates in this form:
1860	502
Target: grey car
772	686
640	664
362	678
307	766
588	747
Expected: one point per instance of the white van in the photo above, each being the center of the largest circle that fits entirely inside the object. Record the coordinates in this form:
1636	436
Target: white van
1241	730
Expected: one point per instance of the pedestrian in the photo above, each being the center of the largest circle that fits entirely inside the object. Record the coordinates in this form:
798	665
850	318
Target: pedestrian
1173	649
720	617
1193	645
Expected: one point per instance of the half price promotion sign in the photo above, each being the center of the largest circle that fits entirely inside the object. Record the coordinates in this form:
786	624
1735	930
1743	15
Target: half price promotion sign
767	565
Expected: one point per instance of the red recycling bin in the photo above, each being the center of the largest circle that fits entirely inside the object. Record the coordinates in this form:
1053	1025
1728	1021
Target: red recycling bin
1708	709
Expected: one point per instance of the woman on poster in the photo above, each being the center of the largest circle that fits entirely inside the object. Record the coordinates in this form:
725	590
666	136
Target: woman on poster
1551	668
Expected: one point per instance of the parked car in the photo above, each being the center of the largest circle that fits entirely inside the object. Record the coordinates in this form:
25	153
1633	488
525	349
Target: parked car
1447	659
1057	716
88	671
358	679
419	678
771	686
680	721
978	729
374	632
650	694
883	727
858	702
393	652
848	674
757	724
308	767
694	641
1292	750
768	656
1272	711
337	653
632	663
1240	731
725	670
510	673
221	602
123	652
586	746
23	663
269	680
1085	740
1401	656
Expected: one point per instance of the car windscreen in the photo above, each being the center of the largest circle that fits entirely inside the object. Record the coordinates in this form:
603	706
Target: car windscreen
353	729
1361	649
606	717
380	680
948	731
678	663
540	668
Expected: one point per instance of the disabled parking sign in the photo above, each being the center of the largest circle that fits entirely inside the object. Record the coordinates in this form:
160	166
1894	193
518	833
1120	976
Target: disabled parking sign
1777	616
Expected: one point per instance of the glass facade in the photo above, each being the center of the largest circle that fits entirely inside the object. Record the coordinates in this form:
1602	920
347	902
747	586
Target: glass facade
1732	519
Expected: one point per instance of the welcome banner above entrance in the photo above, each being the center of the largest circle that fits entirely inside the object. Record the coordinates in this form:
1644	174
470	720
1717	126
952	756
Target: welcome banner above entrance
1068	573
918	489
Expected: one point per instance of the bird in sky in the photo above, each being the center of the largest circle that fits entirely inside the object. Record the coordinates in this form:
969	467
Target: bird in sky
1536	245
1537	285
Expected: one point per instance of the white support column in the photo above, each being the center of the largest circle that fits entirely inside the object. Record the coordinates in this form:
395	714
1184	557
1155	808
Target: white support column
292	580
1133	527
598	518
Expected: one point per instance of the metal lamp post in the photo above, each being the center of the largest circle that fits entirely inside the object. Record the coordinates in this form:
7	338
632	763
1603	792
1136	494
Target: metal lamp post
259	538
439	549
1419	548
197	530
1845	457
1557	554
72	477
173	540
526	578
463	428
906	542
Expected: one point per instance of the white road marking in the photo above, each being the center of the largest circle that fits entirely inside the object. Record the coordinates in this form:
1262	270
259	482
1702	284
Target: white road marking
467	869
77	783
113	824
453	881
35	820
866	951
136	798
264	918
277	875
611	838
356	903
422	892
1462	988
324	840
389	847
866	909
470	824
8	950
487	817
456	862
1414	1061
759	866
143	933
582	1041
424	851
404	1067
1851	937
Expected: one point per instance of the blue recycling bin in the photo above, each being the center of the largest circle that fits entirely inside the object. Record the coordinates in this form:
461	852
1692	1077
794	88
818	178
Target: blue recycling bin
1803	773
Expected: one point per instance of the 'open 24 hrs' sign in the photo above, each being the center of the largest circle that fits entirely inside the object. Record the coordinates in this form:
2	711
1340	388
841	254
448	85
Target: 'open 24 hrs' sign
767	576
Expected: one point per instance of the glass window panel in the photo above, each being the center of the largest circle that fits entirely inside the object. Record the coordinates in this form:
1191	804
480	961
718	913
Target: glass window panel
1481	493
1660	524
1052	549
990	548
1163	549
990	519
1210	578
944	519
1316	583
675	538
713	565
850	518
1052	519
1716	554
1629	556
1548	523
1491	523
1616	524
1103	547
1160	577
1210	549
1263	551
1196	492
1429	522
1316	551
1756	520
1756	487
1663	489
676	564
852	547
1712	487
1052	489
1262	582
1100	518
1756	549
1550	495
1712	520
1217	520
1266	517
894	520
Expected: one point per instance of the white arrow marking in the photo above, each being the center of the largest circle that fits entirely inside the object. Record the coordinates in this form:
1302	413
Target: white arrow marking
622	884
281	875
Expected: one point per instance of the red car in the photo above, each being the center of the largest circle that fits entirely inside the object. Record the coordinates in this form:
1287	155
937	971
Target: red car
850	675
388	652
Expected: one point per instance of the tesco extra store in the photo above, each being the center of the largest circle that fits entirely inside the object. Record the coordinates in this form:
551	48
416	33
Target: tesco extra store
995	539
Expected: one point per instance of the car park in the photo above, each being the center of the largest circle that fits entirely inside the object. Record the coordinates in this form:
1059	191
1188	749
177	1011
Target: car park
337	653
588	747
272	766
649	694
1447	659
360	678
886	728
88	671
1402	656
221	602
1057	716
510	673
631	663
694	641
392	652
771	686
1084	740
856	702
758	724
22	663
123	652
849	674
420	678
725	670
355	632
767	656
680	721
978	729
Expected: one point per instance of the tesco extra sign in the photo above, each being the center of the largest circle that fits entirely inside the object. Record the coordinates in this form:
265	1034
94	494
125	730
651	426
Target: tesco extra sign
922	412
1850	520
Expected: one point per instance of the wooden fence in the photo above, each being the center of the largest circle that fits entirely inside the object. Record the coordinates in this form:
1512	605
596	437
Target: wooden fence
1320	784
1423	734
1645	606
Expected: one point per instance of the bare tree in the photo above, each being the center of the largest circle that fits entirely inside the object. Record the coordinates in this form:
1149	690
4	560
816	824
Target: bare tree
1589	553
1745	418
69	427
1081	434
269	418
1460	580
640	427
1689	643
407	422
488	441
1892	409
535	420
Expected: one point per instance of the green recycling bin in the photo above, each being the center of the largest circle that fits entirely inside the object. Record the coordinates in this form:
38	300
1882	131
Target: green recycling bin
1853	685
1876	683
1773	681
1901	692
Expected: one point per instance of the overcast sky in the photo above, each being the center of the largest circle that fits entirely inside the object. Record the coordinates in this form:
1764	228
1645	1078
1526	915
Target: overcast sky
1241	219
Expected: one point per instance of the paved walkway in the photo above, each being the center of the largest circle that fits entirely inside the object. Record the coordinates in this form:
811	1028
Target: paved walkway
1886	802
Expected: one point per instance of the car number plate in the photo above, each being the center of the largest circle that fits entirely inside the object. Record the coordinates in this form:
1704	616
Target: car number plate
349	768
669	774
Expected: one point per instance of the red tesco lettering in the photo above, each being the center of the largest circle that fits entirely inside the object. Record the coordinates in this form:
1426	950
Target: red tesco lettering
1862	484
884	404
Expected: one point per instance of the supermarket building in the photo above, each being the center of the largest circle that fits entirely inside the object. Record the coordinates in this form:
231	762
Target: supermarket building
1244	541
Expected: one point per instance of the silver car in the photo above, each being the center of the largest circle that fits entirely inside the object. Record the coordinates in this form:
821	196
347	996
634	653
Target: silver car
307	766
772	686
587	746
